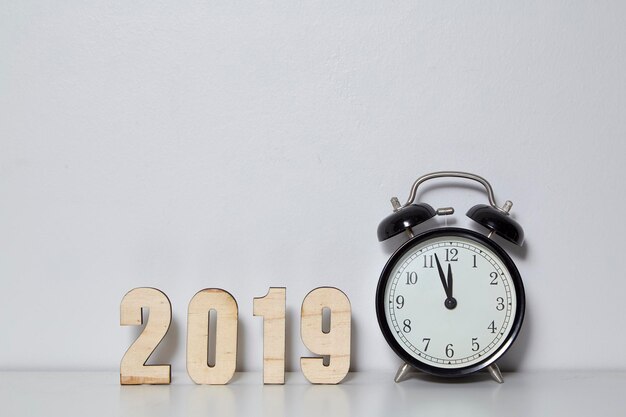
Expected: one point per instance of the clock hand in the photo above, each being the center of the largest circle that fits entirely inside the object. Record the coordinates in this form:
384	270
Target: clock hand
450	302
442	277
449	281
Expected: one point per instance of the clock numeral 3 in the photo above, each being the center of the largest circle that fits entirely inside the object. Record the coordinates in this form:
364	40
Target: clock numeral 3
500	305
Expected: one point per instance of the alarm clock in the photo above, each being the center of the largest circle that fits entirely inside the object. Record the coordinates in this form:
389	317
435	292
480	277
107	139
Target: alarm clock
450	301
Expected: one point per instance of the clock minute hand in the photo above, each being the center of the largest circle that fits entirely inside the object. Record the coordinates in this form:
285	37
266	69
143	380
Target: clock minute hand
442	277
449	293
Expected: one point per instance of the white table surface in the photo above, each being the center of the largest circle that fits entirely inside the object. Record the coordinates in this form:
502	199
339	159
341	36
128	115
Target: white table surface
363	393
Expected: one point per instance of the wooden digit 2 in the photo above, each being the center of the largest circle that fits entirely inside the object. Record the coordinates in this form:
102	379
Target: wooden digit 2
272	308
198	337
334	343
133	368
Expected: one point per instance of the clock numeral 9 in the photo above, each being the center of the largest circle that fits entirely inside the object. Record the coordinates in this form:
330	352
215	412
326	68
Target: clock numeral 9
407	326
475	345
399	302
494	278
500	305
449	351
411	278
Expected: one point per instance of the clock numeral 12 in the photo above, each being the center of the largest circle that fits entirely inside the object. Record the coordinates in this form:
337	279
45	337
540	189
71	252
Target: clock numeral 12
452	255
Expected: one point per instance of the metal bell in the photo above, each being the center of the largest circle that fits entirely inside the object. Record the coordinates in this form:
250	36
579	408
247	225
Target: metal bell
498	221
404	218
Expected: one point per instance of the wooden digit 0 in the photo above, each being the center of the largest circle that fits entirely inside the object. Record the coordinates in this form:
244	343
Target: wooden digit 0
225	337
272	308
335	343
133	368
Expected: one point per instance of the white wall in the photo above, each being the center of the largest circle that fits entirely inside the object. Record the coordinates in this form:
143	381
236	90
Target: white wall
248	144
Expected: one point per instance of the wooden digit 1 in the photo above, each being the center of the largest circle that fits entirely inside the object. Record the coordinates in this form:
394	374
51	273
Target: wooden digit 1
133	368
225	342
272	308
334	343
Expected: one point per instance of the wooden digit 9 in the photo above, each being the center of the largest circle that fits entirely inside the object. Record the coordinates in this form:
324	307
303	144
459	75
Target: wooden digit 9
225	334
133	368
334	343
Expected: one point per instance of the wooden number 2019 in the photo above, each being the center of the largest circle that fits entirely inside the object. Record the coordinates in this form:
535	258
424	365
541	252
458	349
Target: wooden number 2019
333	342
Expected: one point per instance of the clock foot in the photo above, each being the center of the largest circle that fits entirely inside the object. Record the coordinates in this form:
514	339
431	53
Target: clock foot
403	372
495	373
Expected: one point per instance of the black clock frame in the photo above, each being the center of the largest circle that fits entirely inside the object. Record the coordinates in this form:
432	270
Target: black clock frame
490	358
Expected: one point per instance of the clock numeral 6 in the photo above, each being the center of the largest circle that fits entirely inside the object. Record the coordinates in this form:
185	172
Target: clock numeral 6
449	351
216	309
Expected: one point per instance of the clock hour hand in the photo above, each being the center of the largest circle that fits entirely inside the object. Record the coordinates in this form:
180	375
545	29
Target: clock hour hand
442	276
450	301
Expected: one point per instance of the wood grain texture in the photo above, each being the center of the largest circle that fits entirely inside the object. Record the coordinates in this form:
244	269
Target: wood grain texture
272	308
133	368
198	337
335	343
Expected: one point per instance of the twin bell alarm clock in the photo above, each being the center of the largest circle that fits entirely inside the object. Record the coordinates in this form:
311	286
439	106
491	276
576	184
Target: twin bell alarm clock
450	301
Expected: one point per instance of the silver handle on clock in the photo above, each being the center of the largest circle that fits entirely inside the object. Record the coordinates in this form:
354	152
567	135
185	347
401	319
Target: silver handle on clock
458	174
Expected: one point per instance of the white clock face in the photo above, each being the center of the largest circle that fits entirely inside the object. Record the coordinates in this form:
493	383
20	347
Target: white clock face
450	302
